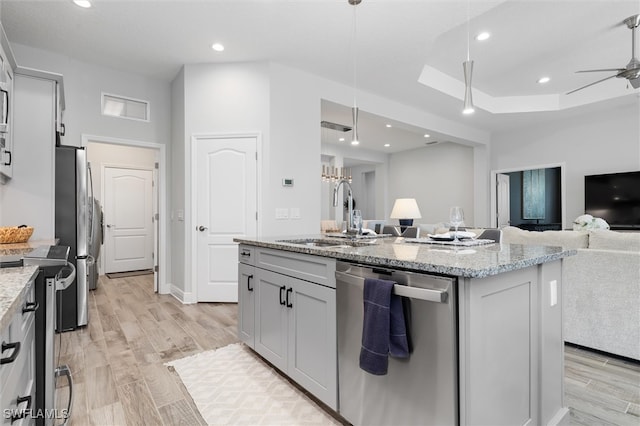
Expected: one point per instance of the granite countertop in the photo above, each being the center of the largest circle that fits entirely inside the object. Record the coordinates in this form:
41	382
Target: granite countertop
395	252
14	280
24	248
13	283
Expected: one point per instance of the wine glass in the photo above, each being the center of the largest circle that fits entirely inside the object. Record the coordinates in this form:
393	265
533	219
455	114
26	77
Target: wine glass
456	218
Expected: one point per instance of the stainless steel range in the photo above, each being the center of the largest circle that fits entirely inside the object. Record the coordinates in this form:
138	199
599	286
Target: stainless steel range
55	274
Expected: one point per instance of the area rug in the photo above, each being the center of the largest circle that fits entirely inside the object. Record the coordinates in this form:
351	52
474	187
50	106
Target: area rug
233	386
129	274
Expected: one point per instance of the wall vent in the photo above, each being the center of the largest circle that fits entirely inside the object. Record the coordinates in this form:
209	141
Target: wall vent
335	126
124	107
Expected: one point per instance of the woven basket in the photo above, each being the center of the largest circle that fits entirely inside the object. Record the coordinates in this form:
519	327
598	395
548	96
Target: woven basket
14	234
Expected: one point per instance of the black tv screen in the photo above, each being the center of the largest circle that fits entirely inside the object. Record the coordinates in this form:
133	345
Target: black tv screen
614	197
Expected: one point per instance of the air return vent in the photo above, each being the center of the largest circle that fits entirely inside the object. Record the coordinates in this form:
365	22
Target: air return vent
335	126
123	107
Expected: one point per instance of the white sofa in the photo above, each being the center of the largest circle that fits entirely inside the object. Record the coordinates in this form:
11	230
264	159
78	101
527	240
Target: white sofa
601	286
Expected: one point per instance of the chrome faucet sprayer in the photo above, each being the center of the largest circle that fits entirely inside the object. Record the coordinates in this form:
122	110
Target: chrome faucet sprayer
350	228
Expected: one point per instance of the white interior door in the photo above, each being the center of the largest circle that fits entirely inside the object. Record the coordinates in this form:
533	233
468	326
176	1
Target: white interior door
128	211
503	203
226	207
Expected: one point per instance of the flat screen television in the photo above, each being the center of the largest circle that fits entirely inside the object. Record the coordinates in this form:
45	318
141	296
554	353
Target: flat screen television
615	197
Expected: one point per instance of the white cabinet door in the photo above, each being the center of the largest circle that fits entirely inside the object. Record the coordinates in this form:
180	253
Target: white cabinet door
312	345
246	307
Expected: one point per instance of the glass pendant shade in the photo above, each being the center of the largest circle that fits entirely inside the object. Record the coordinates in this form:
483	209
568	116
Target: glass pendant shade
468	100
354	113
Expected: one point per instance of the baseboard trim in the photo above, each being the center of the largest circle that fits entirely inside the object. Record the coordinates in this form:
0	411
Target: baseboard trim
186	298
562	417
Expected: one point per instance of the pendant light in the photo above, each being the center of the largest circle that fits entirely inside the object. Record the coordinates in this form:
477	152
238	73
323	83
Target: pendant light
467	67
354	110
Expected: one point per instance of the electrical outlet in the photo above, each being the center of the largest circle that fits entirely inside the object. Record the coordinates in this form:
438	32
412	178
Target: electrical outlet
553	292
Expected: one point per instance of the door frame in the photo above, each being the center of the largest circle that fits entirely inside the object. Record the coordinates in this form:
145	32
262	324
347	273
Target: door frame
161	193
563	185
190	293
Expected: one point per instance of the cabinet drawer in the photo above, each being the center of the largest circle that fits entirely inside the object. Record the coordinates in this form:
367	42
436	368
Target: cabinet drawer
246	254
320	270
20	330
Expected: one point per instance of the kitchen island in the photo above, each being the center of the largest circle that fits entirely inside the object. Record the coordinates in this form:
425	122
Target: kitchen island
505	358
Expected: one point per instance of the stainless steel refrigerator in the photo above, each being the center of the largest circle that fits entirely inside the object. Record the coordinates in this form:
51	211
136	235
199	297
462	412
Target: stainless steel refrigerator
72	229
96	236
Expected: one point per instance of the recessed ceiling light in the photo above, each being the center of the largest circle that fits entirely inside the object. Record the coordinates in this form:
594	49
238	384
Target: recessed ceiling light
388	125
543	80
387	145
483	36
82	3
341	140
426	135
217	47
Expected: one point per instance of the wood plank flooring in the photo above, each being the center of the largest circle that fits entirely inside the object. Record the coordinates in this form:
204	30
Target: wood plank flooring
119	376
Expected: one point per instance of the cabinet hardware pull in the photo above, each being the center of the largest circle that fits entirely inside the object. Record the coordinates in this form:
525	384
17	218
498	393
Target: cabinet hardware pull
249	277
30	307
282	295
289	291
9	163
23	413
16	350
245	253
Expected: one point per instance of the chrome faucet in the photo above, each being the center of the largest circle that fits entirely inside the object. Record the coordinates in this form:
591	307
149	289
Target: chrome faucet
350	228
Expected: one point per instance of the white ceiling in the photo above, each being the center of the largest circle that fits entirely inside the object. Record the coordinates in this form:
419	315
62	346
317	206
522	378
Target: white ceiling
396	41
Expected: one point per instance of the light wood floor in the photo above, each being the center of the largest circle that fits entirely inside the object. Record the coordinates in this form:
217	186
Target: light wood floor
119	376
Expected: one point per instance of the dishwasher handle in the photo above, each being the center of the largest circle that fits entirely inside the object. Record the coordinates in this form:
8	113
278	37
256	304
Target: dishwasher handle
431	295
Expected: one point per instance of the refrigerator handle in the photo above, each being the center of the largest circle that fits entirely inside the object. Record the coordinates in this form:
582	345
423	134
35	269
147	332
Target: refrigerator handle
64	370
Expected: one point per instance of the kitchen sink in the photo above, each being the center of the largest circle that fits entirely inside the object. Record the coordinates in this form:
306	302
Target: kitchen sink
325	242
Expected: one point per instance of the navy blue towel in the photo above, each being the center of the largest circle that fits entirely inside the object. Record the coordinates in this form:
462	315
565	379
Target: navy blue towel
383	329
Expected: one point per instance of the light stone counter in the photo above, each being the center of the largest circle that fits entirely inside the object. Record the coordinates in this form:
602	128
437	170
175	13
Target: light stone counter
24	248
471	262
13	283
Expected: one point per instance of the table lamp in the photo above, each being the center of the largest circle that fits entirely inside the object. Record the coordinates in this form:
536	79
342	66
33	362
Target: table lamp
405	210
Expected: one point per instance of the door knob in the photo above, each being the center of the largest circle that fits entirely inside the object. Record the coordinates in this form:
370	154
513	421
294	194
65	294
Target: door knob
202	228
109	226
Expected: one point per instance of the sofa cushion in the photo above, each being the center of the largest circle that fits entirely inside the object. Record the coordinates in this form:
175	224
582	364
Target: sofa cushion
567	239
612	240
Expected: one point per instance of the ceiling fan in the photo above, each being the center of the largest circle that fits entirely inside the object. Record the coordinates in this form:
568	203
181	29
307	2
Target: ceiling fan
632	71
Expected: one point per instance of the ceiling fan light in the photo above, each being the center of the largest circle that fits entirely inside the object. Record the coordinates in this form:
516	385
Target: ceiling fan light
468	108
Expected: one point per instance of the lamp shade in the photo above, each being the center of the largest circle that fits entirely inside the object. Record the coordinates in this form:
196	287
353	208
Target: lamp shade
405	208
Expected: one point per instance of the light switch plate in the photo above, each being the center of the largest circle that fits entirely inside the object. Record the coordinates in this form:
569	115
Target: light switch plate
282	213
295	213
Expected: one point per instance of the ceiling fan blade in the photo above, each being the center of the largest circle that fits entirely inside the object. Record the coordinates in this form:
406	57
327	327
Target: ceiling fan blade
591	84
604	70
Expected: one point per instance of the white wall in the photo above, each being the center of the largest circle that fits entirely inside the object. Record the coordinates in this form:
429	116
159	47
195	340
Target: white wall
438	177
588	144
83	85
177	184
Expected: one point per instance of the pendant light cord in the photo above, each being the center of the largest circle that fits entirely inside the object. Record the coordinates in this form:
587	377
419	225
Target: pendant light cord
355	54
468	32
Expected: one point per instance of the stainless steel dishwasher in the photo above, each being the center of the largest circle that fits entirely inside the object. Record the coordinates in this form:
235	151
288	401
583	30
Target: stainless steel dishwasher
420	390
